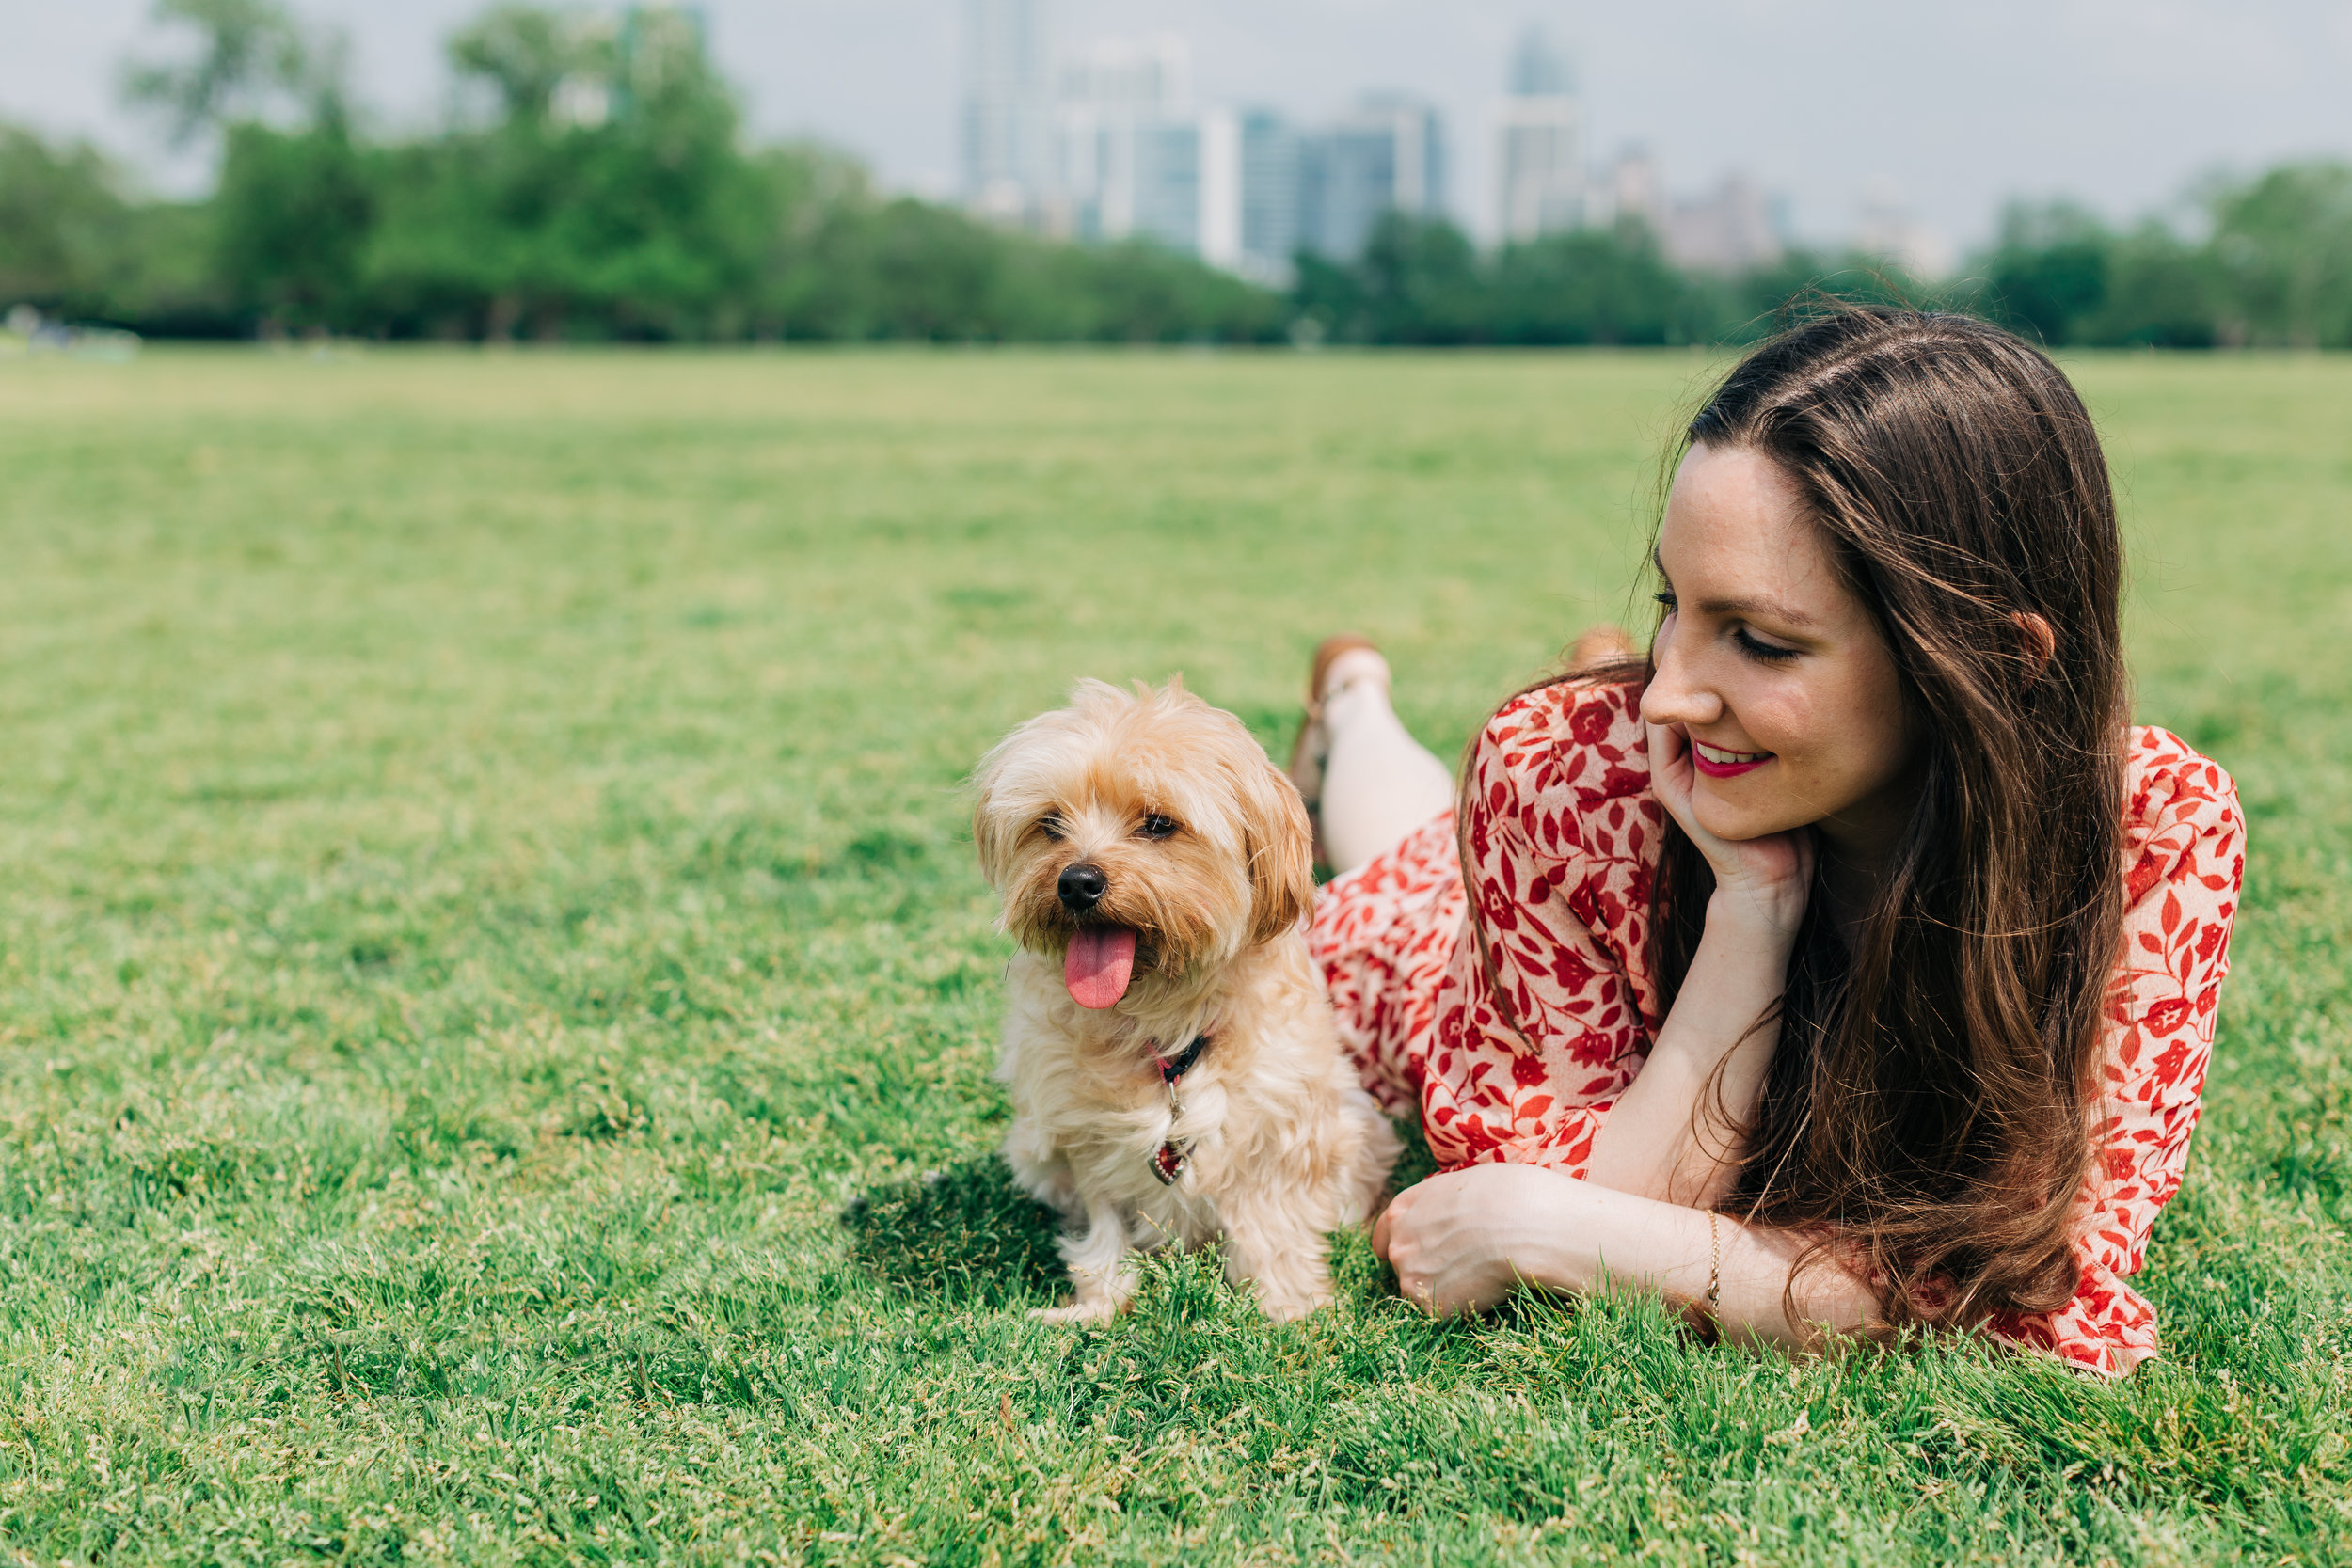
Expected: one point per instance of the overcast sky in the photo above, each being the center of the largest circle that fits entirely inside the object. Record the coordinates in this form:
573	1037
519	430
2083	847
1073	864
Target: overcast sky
2117	103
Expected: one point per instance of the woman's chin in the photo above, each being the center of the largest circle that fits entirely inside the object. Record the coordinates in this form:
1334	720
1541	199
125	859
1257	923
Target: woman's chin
1734	826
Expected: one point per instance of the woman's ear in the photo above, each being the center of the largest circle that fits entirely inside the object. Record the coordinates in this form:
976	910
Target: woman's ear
2041	642
1281	845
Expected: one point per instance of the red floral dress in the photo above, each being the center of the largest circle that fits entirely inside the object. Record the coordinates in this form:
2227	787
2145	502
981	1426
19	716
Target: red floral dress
1563	840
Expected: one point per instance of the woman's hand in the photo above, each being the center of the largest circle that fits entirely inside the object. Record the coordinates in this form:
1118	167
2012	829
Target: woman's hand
1767	880
1463	1242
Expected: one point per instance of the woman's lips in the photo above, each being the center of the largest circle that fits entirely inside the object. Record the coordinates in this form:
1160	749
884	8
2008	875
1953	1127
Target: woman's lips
1716	762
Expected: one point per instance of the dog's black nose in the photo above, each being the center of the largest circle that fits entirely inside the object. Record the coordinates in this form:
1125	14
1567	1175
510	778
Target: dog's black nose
1082	887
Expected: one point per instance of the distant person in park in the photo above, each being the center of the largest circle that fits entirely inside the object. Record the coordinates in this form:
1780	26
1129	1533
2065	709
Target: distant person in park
1849	963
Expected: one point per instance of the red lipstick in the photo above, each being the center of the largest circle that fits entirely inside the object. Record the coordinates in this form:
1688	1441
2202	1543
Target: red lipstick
1725	764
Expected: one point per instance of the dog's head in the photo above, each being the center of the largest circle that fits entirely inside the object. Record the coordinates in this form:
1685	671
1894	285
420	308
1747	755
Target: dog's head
1140	838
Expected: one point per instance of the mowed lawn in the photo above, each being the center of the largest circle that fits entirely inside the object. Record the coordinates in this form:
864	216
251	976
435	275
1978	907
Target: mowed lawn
496	1008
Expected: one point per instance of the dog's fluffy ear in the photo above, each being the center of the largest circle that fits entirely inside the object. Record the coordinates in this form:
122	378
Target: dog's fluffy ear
992	836
1282	850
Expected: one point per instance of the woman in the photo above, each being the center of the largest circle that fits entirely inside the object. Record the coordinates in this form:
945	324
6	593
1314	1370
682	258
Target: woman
1848	965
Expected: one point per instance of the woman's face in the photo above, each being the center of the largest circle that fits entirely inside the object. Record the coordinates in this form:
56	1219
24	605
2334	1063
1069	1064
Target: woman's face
1772	668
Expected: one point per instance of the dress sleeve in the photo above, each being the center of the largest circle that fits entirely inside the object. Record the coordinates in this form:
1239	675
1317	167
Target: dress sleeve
2188	865
1540	1024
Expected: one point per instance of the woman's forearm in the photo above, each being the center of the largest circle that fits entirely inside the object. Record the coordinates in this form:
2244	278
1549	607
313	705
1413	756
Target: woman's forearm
1667	1137
1583	1237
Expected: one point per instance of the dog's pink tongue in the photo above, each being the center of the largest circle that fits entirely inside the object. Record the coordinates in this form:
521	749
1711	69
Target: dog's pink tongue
1101	959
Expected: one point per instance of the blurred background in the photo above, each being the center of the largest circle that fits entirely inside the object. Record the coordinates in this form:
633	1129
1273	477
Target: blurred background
1304	171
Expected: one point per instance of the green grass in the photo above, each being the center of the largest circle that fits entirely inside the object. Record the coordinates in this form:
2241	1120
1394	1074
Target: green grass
496	1005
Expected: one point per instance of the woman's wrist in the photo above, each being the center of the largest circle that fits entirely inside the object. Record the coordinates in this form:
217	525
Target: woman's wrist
1764	919
1541	1229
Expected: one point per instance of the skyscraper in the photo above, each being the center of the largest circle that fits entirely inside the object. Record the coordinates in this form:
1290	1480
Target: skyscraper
1387	154
1135	158
1268	150
1539	145
1126	142
1007	105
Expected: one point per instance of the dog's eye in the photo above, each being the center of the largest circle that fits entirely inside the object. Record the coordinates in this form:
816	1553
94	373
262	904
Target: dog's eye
1049	825
1156	825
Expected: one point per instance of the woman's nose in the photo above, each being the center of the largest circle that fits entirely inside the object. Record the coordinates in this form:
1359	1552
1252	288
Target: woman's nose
1672	696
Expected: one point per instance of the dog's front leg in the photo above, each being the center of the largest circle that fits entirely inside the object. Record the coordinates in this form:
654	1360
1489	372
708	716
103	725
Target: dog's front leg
1272	1249
1041	1169
1101	1268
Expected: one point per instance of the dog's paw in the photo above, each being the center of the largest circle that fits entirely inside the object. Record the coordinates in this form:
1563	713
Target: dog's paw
1088	1314
1289	1309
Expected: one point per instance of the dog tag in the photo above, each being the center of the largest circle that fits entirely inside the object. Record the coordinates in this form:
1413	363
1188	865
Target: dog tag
1167	1163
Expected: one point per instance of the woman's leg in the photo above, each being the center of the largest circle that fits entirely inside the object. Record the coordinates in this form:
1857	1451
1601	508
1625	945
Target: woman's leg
1379	783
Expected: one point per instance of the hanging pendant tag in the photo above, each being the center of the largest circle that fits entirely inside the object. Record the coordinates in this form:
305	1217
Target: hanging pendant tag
1170	1159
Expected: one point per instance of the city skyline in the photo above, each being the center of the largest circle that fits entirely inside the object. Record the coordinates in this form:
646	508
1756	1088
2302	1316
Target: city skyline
2120	107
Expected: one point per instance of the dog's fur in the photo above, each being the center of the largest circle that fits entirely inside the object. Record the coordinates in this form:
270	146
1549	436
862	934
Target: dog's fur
1284	1144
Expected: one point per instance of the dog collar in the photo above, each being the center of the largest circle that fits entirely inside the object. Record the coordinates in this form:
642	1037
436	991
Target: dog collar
1170	1159
1173	1068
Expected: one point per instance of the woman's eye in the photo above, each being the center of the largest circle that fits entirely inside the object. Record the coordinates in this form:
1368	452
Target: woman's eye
1756	648
1665	599
1156	825
1049	825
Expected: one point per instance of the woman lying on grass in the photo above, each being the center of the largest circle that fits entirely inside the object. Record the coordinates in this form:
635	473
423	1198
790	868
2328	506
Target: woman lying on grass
1849	964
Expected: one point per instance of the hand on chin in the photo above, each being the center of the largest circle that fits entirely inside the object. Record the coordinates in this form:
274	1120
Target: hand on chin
1771	873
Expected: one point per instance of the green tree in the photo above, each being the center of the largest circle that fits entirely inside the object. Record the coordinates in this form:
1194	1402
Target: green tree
1596	286
63	223
75	245
1422	282
252	60
610	198
1139	291
1418	280
2282	243
2049	271
2162	293
294	215
528	53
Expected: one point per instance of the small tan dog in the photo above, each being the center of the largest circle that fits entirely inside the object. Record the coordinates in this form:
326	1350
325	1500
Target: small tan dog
1174	1072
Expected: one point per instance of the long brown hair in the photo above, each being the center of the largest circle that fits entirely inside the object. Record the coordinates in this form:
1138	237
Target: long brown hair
1926	1113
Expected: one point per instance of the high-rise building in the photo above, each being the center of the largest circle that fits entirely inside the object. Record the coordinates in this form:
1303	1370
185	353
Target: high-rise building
1734	228
1134	75
1007	105
1539	145
1387	154
1126	142
1137	159
1268	150
1631	191
1168	171
1890	230
1730	229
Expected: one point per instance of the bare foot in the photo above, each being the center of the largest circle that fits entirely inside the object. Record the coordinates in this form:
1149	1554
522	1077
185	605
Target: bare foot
1596	646
1308	751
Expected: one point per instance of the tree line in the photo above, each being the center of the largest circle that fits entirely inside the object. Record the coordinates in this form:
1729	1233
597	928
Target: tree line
594	184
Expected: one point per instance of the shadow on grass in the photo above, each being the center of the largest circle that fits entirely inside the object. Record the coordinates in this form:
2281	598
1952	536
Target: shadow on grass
965	1234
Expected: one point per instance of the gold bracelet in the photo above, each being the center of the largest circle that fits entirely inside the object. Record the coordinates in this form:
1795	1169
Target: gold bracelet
1714	1268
